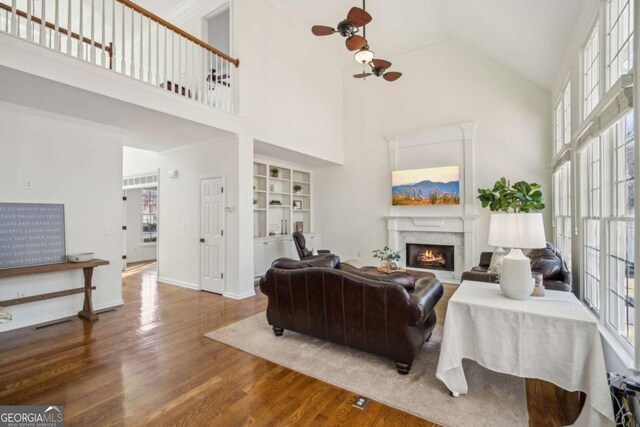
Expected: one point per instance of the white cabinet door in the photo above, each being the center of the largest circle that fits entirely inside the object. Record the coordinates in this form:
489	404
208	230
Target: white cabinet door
284	248
271	253
258	258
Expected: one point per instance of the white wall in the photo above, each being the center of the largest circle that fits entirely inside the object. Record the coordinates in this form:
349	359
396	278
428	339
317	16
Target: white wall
179	228
291	92
449	83
137	250
137	162
76	163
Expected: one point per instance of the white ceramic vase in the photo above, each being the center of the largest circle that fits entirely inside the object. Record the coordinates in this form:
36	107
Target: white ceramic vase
515	276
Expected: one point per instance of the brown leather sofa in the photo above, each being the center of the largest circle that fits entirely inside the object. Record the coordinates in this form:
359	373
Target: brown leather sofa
338	303
547	261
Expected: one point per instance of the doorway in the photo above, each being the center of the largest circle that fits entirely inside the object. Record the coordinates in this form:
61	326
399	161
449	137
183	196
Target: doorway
212	240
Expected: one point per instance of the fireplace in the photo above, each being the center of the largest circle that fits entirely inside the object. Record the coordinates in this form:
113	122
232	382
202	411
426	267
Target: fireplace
431	257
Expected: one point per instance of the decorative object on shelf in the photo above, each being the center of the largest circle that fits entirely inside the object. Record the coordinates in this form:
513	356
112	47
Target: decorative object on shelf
5	316
275	203
82	257
300	226
254	188
275	172
429	186
286	226
388	258
297	188
255	201
297	205
519	197
272	187
538	285
516	231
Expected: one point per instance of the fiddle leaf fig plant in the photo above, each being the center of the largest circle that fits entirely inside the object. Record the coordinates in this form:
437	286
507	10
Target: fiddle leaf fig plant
522	197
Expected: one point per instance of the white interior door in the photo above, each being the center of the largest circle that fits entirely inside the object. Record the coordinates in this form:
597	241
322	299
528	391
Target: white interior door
212	247
124	230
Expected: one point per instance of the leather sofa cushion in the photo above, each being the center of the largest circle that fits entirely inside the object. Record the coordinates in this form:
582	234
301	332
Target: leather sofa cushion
326	261
400	278
546	262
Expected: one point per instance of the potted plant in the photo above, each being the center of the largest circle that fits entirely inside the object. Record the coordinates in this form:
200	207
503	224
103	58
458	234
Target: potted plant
520	197
275	172
388	258
297	188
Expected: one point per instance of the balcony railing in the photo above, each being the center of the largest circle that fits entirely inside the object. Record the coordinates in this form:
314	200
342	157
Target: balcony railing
123	37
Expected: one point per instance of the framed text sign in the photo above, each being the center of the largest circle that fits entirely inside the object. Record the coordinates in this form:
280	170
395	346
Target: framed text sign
31	234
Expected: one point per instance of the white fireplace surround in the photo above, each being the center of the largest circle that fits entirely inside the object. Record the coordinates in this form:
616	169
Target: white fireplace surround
437	225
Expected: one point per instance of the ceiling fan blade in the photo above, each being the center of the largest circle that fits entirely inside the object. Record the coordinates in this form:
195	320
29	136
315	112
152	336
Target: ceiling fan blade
381	63
392	76
355	42
321	30
358	17
362	75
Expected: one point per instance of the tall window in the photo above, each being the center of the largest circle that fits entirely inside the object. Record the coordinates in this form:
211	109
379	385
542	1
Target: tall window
149	215
562	210
619	39
591	76
562	118
619	143
591	164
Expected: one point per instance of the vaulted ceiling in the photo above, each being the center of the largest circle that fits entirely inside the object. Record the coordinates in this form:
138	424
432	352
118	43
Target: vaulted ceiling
528	36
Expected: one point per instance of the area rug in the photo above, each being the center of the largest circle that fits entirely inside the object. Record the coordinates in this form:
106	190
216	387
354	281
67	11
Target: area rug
494	399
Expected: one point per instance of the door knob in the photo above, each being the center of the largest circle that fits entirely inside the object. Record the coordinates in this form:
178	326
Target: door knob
202	240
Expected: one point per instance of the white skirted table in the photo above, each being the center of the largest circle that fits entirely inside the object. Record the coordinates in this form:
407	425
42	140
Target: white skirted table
552	338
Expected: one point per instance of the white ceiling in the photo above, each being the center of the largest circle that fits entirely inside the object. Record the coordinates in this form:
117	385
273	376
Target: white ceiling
528	36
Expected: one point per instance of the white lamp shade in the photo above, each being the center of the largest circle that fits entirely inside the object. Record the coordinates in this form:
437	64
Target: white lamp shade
517	230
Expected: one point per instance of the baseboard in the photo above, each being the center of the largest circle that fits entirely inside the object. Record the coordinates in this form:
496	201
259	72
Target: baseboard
232	295
109	304
179	283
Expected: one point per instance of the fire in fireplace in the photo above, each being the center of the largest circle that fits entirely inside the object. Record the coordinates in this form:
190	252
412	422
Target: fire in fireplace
432	257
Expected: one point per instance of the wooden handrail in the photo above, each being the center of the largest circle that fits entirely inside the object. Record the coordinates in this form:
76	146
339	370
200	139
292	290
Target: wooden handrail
177	30
60	29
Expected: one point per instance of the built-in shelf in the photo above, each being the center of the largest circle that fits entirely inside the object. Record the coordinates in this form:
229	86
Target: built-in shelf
268	189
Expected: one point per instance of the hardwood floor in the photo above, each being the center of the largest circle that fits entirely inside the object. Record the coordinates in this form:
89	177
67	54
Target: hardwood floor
148	363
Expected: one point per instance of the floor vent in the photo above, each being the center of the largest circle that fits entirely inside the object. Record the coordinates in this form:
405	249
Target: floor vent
54	323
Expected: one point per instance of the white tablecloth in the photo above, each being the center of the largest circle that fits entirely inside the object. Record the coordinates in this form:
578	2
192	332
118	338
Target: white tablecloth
551	338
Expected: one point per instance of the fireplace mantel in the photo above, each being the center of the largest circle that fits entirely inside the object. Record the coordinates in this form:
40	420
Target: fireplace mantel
455	225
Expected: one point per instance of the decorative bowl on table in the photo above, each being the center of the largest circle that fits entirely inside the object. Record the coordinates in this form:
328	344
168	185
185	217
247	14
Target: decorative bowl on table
83	257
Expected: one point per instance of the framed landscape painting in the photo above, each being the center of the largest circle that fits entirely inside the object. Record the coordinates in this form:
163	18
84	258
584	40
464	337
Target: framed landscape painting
430	186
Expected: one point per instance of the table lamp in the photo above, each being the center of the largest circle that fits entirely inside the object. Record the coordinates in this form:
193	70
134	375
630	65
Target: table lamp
517	231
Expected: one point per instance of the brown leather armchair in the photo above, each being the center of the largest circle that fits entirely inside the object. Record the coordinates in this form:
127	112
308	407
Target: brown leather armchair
301	247
318	298
547	261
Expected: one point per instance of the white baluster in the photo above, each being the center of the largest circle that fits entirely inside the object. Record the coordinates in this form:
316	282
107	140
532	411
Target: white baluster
203	80
133	32
43	28
81	32
149	74
157	54
123	62
141	70
29	26
173	61
92	48
166	58
69	29
103	55
179	82
232	86
14	18
218	82
112	54
56	24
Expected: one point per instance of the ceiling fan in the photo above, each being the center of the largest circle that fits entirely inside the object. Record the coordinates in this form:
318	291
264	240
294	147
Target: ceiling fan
378	69
348	28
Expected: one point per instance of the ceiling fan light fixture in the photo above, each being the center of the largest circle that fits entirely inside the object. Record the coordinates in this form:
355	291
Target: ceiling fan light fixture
364	55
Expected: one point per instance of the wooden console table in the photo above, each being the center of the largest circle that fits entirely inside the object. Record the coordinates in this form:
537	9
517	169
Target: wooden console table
87	268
